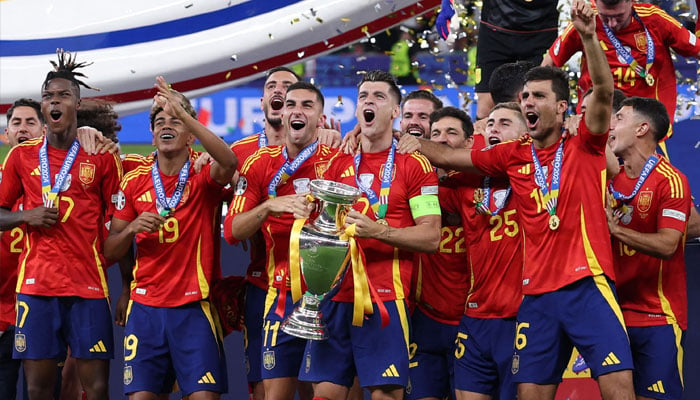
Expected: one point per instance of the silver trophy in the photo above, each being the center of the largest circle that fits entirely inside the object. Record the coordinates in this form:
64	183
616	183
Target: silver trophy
322	254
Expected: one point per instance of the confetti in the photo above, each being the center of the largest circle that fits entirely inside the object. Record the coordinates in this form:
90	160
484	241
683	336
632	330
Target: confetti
300	54
295	20
228	75
269	35
234	57
345	19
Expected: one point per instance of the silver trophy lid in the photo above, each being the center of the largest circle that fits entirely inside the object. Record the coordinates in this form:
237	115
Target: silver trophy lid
334	192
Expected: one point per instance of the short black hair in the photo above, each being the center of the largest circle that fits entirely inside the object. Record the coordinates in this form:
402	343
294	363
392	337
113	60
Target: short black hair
559	79
99	114
423	95
66	69
184	102
618	97
381	76
24	102
307	86
454	112
653	111
507	81
278	69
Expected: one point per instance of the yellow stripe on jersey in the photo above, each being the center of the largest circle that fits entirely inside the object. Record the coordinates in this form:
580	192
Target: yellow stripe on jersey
128	310
134	173
134	281
603	190
100	270
601	282
270	258
272	151
401	308
23	265
419	280
678	333
424	163
665	304
245	140
120	168
674	180
396	275
201	277
213	324
569	28
648	11
270	298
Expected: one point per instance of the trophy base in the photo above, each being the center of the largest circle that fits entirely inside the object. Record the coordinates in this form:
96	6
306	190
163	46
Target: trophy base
306	320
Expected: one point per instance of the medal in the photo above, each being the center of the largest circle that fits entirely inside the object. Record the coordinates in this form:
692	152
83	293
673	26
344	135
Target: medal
288	169
484	205
169	203
50	193
478	195
553	222
382	221
650	79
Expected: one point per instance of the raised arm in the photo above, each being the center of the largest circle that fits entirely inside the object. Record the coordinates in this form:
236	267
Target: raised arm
438	154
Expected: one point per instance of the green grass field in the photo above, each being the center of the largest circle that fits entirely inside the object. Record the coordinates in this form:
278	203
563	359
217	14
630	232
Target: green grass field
145	148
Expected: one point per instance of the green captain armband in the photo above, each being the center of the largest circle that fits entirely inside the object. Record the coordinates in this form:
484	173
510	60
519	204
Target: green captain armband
424	204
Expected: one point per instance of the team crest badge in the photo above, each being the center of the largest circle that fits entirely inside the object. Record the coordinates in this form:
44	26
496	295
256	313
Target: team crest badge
128	375
320	168
241	186
119	200
515	366
186	192
366	180
644	200
302	185
269	359
20	342
307	366
640	41
66	183
87	173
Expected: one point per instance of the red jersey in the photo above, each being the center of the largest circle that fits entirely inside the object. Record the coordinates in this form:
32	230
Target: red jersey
65	259
256	273
11	246
494	246
666	33
132	161
577	249
653	291
252	190
388	268
177	264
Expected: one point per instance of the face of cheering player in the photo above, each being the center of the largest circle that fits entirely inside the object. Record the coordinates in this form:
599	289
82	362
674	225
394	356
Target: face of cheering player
415	117
274	91
170	134
376	109
624	130
542	111
59	106
448	130
617	16
302	112
504	124
24	125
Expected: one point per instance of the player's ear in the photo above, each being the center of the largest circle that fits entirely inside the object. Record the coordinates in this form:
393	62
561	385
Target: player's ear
396	111
562	106
643	129
190	140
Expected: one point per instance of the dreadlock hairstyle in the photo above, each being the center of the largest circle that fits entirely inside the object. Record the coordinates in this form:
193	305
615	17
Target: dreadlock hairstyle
66	69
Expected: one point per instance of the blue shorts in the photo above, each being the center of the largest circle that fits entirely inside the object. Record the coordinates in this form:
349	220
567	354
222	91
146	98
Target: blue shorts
483	353
46	326
658	361
162	344
377	356
281	354
252	330
584	314
431	359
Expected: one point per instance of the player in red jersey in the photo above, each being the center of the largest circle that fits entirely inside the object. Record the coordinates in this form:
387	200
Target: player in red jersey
567	263
416	108
176	257
638	68
61	286
441	281
652	205
493	239
269	194
400	194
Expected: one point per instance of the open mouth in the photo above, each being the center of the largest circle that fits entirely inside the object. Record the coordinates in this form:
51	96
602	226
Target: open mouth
276	103
532	118
368	115
55	115
297	125
494	140
167	136
415	131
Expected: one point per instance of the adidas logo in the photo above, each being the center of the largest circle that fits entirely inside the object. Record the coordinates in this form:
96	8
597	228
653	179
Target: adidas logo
658	387
36	171
348	172
611	359
207	378
391	372
146	197
98	348
525	169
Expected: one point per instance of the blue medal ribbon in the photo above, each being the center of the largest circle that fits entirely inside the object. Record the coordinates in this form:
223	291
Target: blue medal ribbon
485	206
550	195
646	171
379	203
169	203
49	193
262	139
627	56
288	169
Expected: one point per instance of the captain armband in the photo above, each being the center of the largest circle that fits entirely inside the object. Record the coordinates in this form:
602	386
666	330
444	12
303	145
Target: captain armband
424	204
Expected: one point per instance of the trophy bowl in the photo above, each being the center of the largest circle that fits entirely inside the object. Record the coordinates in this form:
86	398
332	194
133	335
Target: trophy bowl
322	257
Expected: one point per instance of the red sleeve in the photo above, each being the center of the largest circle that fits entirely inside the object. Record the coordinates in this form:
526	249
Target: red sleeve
565	46
595	143
10	184
448	199
681	40
248	194
110	183
674	208
124	205
493	160
424	179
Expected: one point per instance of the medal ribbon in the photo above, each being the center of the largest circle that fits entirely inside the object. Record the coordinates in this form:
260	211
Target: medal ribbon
288	169
262	139
49	193
551	196
379	204
169	203
626	55
485	206
646	171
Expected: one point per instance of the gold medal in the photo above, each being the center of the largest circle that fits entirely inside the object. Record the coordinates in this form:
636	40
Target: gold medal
382	221
479	195
553	222
650	79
